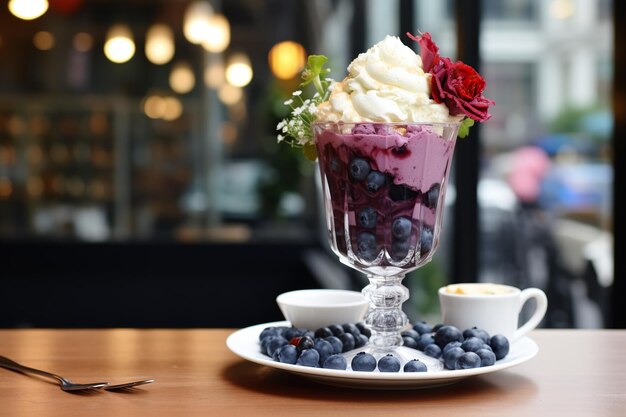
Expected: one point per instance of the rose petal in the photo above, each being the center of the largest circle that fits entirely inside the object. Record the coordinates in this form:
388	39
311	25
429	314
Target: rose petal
429	51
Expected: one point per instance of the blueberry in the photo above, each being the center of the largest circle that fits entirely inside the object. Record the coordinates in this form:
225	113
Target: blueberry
335	343
363	329
264	343
351	328
447	334
324	348
363	362
500	346
432	196
306	342
451	356
411	333
409	342
367	218
433	351
359	168
400	249
437	327
336	329
401	193
389	363
374	181
269	331
335	362
360	341
323	332
426	240
274	343
309	333
451	345
292	332
349	342
476	332
472	344
366	246
309	357
422	327
425	340
401	228
287	354
414	365
468	360
487	357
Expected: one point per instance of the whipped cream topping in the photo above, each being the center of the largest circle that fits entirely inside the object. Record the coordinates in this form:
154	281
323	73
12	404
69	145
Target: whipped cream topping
385	84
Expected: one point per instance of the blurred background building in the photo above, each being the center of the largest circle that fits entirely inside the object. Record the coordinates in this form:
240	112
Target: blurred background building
144	130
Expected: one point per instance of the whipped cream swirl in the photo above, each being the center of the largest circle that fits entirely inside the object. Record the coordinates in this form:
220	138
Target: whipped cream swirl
385	84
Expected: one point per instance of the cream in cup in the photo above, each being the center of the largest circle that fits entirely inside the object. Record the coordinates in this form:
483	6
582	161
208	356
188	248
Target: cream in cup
494	308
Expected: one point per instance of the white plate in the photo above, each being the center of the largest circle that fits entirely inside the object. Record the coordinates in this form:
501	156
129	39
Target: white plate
245	343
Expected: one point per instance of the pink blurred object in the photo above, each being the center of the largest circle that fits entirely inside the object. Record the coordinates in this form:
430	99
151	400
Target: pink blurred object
529	165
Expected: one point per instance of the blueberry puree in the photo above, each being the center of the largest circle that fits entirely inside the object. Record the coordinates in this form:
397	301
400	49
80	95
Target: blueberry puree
385	182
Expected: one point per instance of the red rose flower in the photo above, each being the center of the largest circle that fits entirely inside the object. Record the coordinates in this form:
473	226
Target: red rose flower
429	51
460	88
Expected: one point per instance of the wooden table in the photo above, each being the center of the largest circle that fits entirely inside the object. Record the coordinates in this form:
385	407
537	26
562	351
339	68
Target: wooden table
576	373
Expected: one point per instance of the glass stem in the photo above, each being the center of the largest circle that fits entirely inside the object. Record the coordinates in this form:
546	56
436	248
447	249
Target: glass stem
385	317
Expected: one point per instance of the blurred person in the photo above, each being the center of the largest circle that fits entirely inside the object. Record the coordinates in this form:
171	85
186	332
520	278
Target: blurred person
536	254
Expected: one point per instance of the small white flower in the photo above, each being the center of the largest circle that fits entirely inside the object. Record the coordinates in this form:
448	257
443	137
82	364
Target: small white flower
280	138
297	111
288	102
281	125
296	93
316	95
312	109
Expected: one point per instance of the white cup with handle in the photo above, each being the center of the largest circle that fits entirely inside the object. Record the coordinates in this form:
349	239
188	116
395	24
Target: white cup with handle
494	308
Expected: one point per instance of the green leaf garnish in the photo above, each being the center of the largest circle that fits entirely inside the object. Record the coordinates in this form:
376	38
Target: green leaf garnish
313	70
465	127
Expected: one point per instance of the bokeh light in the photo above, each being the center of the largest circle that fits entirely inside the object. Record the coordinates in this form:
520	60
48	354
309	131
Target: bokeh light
82	42
160	44
43	40
28	9
239	70
196	21
287	59
182	79
119	46
229	94
217	35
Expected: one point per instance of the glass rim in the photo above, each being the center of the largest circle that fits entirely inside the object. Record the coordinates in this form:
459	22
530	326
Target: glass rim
342	123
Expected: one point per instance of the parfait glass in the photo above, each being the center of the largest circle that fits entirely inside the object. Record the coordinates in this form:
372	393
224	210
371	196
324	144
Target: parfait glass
383	188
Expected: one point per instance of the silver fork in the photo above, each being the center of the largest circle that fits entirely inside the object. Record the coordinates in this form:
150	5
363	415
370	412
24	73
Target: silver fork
65	384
